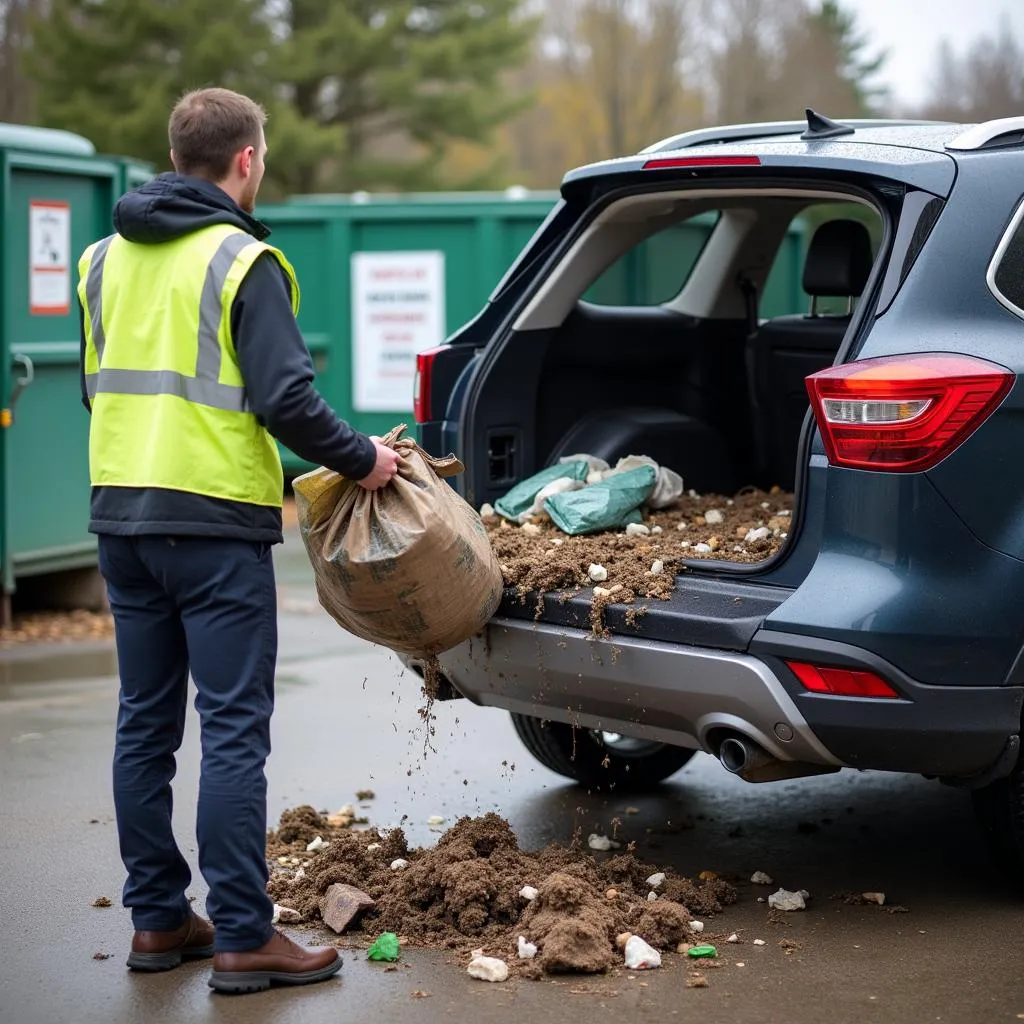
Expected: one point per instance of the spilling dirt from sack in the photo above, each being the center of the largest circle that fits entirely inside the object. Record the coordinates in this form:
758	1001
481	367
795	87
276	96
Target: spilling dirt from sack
643	561
466	892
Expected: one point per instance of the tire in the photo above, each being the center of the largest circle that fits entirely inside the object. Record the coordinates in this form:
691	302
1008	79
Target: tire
599	761
999	808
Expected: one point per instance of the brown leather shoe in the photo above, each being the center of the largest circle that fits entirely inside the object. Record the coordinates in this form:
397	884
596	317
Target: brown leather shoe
279	962
163	951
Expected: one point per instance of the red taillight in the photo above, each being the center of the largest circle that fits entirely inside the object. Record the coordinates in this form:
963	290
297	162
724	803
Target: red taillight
662	163
841	682
422	405
904	414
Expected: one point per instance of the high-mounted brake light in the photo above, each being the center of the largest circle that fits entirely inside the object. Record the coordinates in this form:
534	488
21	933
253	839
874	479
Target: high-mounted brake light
663	163
422	405
904	414
841	682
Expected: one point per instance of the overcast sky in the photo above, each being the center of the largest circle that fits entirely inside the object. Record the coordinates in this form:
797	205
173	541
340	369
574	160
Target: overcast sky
912	29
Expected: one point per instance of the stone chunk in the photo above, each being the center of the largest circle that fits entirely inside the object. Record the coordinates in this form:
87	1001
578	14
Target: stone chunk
341	905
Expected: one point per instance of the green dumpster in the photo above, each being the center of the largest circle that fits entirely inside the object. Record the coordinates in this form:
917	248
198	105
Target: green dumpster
55	199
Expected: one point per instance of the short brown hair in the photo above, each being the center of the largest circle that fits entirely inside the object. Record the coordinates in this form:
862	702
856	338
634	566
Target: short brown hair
209	126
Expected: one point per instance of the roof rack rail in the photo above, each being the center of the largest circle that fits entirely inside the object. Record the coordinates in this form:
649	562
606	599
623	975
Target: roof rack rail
989	133
766	130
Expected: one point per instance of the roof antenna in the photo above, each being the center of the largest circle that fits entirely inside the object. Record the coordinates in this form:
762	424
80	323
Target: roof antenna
821	127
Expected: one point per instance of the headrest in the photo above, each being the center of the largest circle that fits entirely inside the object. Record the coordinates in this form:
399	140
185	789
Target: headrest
838	260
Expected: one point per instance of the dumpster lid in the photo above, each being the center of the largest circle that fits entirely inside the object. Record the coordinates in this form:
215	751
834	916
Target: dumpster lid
44	140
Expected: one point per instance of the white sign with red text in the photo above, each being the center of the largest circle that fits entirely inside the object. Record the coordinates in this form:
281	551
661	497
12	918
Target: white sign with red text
398	311
49	258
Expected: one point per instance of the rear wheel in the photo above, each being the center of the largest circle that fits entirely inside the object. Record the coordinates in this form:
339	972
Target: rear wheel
599	760
999	807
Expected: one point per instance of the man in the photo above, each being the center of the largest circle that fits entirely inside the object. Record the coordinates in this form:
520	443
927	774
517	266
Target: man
192	364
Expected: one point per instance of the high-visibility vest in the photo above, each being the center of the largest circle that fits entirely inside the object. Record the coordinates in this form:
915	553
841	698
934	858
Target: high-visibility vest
169	405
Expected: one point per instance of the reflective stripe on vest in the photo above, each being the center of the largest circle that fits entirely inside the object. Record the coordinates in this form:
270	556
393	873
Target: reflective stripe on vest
203	388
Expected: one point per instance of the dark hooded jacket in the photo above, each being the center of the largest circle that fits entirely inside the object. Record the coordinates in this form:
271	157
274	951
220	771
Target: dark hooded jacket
275	365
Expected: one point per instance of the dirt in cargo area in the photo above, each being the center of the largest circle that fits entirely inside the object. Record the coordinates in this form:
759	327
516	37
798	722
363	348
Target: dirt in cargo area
748	528
465	893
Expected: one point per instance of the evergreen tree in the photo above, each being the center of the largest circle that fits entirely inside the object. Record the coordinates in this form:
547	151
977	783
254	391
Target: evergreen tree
856	66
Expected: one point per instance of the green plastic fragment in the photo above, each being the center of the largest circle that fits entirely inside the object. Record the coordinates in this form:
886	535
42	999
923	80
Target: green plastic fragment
385	947
609	505
702	952
520	499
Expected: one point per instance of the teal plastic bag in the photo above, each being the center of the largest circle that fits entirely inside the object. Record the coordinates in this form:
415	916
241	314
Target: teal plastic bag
611	504
521	498
385	947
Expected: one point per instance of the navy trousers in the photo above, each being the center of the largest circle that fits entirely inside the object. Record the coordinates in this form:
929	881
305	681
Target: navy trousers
204	606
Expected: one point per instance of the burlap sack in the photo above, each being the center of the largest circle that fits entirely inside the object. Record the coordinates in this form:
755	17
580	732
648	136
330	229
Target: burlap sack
409	566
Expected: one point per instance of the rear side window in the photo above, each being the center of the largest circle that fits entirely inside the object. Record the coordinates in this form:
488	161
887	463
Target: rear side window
1006	275
655	271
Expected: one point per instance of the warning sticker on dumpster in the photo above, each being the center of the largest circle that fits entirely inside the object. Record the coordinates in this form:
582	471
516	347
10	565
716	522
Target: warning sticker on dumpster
398	311
49	241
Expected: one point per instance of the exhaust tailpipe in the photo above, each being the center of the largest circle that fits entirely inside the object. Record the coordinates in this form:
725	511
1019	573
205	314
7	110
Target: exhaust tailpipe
753	763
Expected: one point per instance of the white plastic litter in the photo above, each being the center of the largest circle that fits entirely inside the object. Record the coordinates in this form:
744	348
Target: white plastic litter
486	510
488	968
656	879
559	486
640	956
595	476
696	927
761	533
602	843
713	517
668	487
786	900
657	568
316	845
399	864
760	878
637	530
527	950
284	914
598	573
596	464
529	893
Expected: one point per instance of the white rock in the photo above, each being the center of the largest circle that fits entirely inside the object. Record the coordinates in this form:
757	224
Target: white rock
657	568
760	878
316	845
640	956
299	875
284	861
730	503
784	513
696	927
596	842
435	821
875	897
486	510
530	529
527	950
557	541
703	549
651	897
685	544
681	526
488	968
528	892
785	900
399	864
760	942
766	504
637	530
284	914
713	517
761	533
598	573
373	848
733	938
656	879
657	529
602	592
693	493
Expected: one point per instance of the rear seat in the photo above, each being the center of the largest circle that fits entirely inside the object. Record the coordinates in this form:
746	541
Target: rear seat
785	350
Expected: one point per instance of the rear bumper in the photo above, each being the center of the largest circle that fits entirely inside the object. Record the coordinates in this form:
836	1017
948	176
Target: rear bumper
695	697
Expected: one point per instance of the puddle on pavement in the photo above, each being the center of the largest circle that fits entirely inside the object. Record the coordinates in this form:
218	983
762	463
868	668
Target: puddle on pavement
58	665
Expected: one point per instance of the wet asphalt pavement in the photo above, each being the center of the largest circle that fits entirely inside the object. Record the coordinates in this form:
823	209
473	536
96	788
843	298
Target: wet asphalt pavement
346	720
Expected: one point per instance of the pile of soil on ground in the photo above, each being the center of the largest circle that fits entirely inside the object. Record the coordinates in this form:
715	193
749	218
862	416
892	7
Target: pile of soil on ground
464	893
57	627
538	557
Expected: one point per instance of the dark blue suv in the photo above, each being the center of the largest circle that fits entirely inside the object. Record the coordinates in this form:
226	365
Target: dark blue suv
888	632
